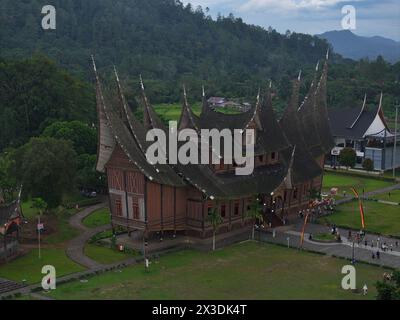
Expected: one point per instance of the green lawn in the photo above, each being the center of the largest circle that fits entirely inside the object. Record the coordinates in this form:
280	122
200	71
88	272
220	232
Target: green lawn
345	182
29	267
172	111
248	270
105	255
324	237
97	218
27	210
64	231
379	218
393	196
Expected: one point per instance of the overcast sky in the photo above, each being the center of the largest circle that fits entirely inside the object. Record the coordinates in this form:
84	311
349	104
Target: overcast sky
373	17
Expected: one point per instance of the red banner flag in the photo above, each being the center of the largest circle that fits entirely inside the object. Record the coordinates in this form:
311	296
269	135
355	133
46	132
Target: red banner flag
304	229
361	207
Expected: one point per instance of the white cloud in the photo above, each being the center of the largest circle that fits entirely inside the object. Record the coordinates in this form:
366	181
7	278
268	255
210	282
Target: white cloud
251	5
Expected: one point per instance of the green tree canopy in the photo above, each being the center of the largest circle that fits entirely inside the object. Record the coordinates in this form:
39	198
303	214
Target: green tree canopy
8	182
34	93
389	289
47	168
82	136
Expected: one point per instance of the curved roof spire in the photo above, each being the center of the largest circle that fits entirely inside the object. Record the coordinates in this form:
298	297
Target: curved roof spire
361	112
187	119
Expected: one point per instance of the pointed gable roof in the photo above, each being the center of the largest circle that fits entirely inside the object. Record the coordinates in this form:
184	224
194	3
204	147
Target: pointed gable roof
271	137
308	121
303	167
321	112
188	120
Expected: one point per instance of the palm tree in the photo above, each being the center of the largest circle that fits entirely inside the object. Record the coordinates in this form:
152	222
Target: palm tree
40	205
255	212
215	219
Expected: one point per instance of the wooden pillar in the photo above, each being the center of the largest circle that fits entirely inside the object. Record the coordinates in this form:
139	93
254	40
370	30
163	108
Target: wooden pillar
230	214
162	211
174	211
145	209
203	211
126	200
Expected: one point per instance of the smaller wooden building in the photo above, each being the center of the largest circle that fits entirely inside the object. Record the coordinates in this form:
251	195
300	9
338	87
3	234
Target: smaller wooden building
11	220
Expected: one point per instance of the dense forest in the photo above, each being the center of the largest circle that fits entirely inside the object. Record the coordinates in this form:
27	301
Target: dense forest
171	43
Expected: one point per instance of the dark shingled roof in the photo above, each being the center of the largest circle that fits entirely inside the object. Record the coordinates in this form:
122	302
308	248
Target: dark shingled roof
321	110
211	119
130	134
271	137
342	119
9	212
304	166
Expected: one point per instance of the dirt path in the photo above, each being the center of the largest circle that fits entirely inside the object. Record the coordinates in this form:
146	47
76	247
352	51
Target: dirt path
76	246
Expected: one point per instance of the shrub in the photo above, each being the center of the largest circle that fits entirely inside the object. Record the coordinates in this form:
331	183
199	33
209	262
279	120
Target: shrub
368	165
348	157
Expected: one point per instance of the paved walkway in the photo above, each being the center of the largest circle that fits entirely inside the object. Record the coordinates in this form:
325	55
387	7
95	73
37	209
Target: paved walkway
369	194
75	248
343	249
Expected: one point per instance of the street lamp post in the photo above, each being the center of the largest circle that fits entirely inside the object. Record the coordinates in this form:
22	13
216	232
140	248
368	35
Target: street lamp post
395	142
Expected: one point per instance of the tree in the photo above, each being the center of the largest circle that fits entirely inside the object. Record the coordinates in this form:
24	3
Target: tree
87	175
255	212
8	183
82	136
40	205
389	288
47	168
368	165
215	219
348	157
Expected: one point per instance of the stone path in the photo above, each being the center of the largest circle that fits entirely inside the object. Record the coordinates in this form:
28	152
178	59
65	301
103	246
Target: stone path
369	194
75	248
343	250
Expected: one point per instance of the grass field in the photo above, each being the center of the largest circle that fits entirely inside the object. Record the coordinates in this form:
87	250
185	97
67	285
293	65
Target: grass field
97	218
64	230
393	196
248	270
345	182
104	255
29	267
379	218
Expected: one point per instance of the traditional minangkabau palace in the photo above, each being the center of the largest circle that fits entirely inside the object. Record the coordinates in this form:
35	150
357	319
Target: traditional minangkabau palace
163	198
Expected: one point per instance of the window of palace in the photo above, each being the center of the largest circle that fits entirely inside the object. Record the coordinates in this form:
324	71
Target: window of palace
223	210
273	155
209	209
135	207
295	193
236	208
118	207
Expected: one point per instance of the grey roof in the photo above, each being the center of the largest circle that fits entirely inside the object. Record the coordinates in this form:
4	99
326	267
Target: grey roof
9	212
130	134
341	120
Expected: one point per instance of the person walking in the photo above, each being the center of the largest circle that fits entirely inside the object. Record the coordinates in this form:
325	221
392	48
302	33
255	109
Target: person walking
378	255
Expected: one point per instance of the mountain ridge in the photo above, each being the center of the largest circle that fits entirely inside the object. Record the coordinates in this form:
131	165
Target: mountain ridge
356	47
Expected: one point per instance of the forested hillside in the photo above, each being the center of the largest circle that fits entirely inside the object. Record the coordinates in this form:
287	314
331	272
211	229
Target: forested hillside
167	42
